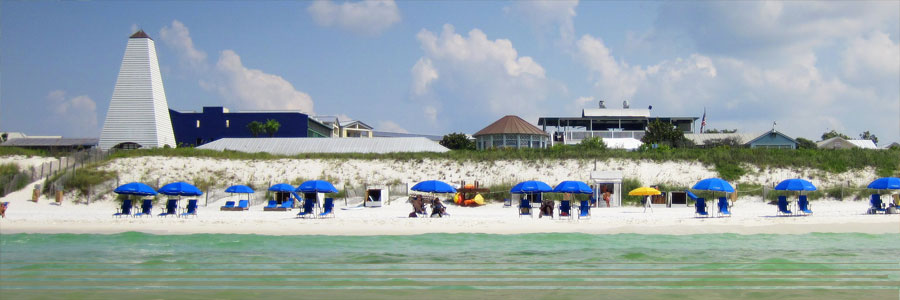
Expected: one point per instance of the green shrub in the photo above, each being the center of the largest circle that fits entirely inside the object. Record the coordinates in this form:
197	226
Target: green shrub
85	178
629	184
11	176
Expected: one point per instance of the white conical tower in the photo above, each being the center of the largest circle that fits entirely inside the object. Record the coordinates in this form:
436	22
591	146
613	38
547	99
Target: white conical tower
138	112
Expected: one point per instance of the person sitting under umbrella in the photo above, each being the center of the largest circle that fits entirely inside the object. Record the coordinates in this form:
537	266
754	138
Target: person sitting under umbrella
546	208
418	206
438	208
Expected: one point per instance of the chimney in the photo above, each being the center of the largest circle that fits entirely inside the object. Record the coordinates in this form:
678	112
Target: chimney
602	105
625	104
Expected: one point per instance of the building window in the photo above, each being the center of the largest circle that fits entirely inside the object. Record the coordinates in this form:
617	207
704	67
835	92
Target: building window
227	123
198	123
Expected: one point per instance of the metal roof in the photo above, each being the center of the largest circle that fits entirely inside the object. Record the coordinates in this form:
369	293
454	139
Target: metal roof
435	138
510	124
292	146
863	144
51	142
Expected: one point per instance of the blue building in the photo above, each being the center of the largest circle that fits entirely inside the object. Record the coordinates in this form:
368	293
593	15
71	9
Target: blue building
198	128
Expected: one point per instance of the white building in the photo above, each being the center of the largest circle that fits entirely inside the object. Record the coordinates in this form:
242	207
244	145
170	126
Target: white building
840	143
138	115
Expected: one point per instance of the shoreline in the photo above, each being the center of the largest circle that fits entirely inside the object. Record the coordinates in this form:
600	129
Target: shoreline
885	225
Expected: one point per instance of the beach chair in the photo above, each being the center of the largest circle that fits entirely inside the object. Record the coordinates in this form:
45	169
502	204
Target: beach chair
723	207
244	204
146	208
507	202
124	210
327	208
287	204
803	205
876	205
229	205
190	209
171	208
565	209
309	207
700	207
783	206
272	204
593	201
584	210
525	208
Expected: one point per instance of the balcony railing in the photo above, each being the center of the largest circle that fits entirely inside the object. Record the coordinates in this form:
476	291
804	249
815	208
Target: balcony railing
575	137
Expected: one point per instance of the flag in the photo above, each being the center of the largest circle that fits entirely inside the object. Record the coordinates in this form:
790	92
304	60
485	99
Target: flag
703	121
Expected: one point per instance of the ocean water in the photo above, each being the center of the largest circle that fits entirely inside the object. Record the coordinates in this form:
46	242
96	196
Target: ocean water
807	266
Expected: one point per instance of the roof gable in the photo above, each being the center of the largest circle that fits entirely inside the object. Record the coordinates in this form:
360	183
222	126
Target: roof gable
771	132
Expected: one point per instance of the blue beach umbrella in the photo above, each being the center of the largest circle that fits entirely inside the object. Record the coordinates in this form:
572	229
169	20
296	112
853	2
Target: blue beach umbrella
531	186
433	186
795	184
282	187
714	184
885	183
573	187
317	186
239	189
180	188
135	188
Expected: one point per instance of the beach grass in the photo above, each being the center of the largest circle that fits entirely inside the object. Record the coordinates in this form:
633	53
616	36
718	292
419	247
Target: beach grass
730	163
5	151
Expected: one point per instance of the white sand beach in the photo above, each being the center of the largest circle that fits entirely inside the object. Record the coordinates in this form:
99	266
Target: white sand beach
750	216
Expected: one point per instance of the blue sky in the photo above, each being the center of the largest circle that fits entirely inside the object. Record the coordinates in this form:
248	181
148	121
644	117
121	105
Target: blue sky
436	67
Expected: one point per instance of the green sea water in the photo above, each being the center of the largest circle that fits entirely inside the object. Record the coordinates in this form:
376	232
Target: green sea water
808	266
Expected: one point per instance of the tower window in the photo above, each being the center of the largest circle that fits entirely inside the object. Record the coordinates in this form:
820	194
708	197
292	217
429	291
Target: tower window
198	123
227	123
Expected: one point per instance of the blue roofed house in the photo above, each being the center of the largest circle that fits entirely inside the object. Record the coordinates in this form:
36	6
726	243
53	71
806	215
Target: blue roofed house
771	139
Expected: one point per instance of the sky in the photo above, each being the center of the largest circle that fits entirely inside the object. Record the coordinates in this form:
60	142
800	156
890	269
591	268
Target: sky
436	67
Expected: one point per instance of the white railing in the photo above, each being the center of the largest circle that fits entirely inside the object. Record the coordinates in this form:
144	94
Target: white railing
574	137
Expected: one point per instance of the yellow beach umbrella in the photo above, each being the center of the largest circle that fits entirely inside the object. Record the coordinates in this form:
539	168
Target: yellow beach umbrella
644	191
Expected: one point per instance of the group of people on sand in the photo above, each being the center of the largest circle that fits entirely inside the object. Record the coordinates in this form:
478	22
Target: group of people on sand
418	203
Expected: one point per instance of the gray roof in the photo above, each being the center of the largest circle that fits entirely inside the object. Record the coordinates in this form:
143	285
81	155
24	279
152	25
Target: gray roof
435	138
292	146
51	142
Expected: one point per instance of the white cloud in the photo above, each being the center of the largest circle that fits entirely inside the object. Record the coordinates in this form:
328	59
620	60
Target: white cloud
390	126
583	102
616	80
423	73
73	115
769	30
479	77
242	87
179	37
430	113
255	89
367	17
875	55
549	14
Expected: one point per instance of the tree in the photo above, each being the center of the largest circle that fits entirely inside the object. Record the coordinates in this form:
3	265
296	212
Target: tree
834	133
271	127
457	141
869	136
732	142
256	128
803	143
664	133
3	137
720	131
592	143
